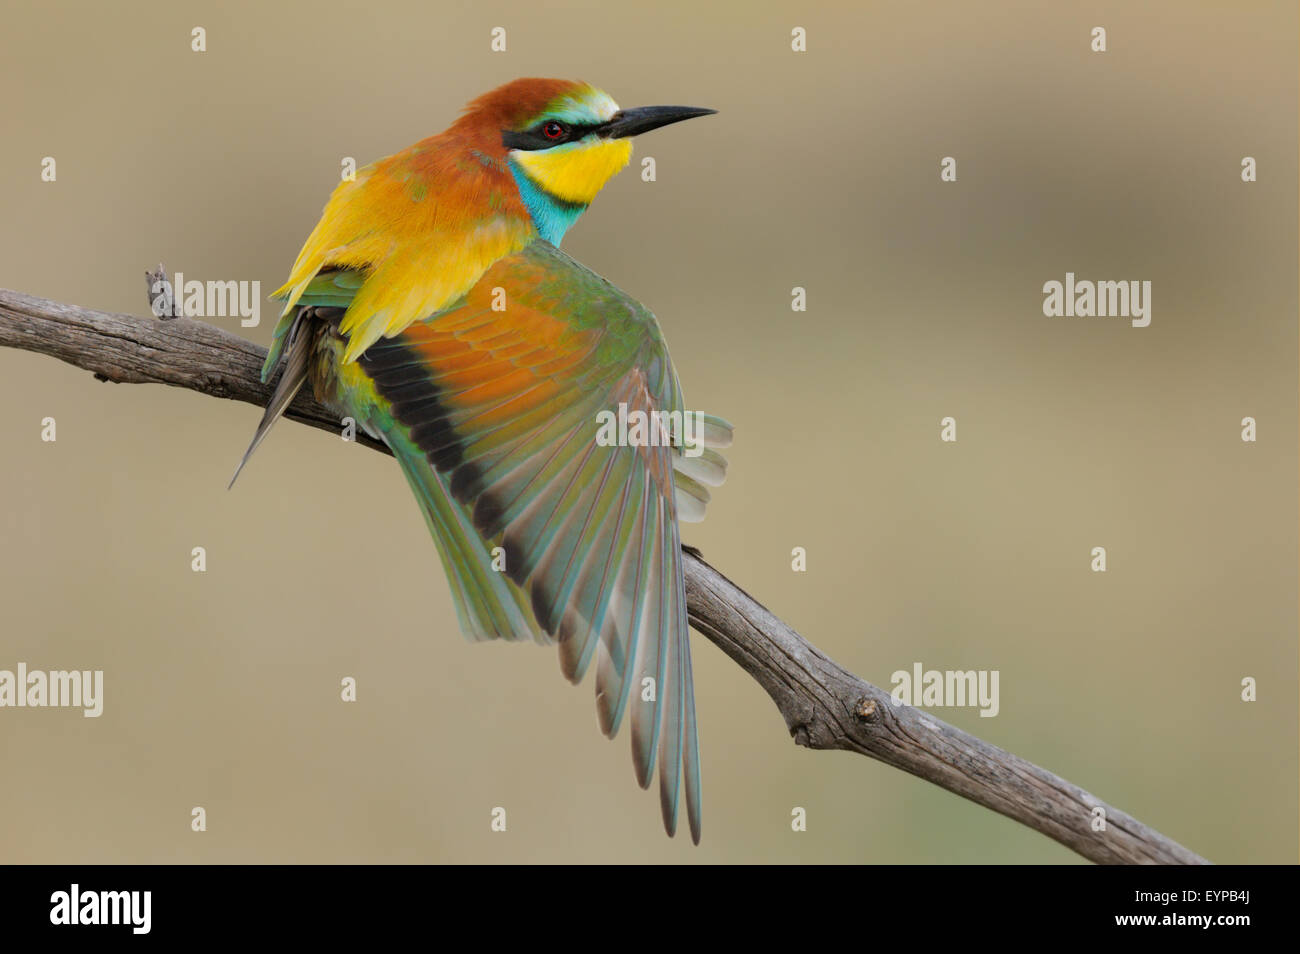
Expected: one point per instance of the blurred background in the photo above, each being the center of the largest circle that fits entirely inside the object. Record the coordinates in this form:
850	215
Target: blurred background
924	301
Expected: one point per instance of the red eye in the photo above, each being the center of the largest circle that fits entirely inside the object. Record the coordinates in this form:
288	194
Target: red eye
553	130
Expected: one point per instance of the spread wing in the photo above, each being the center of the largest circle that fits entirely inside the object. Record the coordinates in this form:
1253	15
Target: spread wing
498	404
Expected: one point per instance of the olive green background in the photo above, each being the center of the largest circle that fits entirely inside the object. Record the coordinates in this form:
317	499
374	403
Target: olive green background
924	300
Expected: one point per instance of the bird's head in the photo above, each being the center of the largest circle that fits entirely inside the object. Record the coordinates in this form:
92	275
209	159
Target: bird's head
563	141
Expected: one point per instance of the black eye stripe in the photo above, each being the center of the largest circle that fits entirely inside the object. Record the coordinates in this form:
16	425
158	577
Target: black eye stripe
534	138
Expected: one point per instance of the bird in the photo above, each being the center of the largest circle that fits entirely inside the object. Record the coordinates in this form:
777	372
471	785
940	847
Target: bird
432	304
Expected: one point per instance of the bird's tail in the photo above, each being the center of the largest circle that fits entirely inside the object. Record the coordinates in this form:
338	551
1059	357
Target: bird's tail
287	388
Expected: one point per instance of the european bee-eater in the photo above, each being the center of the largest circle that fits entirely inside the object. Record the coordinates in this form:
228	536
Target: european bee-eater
432	304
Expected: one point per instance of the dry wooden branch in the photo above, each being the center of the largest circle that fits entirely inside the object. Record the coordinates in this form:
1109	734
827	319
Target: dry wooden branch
824	706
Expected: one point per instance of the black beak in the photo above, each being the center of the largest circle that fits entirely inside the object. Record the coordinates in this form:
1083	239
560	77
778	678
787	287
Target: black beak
632	122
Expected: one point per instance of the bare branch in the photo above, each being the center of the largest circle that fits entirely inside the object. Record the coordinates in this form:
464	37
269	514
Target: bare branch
824	706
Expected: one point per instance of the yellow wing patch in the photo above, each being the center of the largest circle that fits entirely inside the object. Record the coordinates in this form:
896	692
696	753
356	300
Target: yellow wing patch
419	280
420	254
